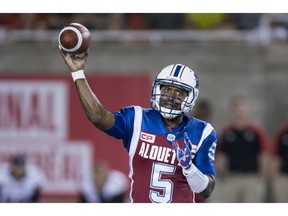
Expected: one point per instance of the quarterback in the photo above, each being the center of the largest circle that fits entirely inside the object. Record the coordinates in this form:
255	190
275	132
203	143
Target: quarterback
171	153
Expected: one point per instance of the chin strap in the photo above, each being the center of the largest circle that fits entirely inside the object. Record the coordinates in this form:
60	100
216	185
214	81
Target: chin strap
168	113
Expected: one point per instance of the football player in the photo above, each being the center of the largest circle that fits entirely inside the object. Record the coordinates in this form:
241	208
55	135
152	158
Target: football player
20	182
171	154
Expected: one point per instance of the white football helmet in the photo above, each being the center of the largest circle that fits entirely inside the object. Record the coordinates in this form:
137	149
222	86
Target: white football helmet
182	77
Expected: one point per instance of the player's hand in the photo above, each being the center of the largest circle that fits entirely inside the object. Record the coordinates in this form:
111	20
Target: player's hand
74	62
184	155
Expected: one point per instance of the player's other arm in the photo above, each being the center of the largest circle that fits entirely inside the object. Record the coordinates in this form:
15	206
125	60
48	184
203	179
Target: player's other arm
199	182
94	110
206	193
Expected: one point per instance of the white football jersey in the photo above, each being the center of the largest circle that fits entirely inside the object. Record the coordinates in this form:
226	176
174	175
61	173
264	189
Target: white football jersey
15	191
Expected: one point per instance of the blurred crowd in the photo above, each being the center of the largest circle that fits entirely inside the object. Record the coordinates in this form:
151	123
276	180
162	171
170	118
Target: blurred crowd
267	27
116	21
24	182
141	21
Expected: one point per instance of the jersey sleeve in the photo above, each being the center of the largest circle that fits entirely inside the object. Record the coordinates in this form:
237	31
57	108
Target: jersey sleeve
123	126
205	157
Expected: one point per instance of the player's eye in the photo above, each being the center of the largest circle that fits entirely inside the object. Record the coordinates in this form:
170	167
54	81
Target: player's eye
165	89
179	93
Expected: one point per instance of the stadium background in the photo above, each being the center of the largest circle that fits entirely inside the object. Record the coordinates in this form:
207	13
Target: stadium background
40	112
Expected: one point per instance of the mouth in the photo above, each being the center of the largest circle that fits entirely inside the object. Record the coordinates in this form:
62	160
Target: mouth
171	106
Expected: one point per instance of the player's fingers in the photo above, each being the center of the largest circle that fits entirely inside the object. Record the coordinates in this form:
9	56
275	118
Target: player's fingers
185	148
61	52
64	55
86	53
187	141
72	65
175	145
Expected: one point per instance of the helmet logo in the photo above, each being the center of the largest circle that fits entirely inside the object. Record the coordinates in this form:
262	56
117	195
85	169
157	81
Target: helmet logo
178	71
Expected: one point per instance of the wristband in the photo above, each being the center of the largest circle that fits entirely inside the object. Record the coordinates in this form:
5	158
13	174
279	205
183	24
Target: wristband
78	75
196	179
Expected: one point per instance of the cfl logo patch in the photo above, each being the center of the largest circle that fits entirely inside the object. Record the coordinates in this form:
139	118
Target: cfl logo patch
150	138
171	137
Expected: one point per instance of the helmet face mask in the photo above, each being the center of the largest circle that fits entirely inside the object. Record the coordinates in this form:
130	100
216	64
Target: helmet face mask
179	76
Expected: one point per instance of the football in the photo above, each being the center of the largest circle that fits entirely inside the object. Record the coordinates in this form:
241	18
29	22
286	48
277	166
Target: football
75	39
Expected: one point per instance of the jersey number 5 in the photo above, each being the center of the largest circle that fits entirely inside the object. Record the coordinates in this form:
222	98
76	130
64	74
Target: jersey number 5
164	185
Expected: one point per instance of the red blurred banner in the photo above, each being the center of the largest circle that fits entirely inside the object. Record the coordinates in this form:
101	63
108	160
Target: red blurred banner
42	117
